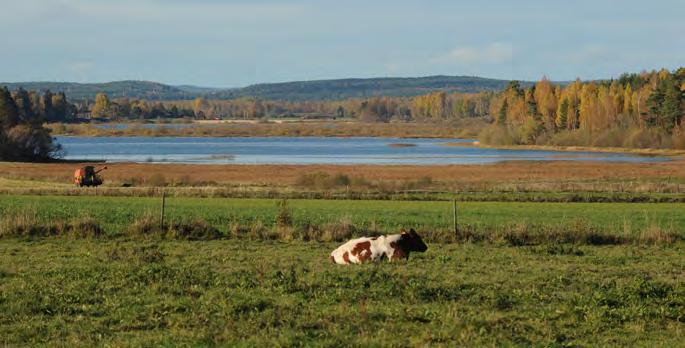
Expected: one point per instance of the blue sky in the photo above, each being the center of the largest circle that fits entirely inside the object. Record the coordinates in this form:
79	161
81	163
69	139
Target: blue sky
237	43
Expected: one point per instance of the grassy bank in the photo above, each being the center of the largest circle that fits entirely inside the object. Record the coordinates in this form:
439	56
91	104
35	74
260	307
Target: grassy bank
506	180
662	193
454	129
260	217
122	293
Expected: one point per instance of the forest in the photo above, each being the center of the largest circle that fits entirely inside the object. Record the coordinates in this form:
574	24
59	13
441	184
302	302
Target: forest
22	115
641	110
635	110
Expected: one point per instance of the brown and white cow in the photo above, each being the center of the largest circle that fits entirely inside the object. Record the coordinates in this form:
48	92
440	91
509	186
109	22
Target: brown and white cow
374	249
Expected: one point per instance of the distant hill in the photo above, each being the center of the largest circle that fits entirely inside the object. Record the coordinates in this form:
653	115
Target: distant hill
360	88
119	89
295	91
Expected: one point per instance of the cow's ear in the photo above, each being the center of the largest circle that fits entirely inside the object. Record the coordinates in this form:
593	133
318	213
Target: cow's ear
403	231
412	232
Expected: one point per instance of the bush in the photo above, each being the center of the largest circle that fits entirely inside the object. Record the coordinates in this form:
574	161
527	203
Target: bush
496	135
643	138
28	143
193	230
284	218
157	180
85	228
322	180
570	138
145	226
338	231
678	138
529	131
25	223
22	223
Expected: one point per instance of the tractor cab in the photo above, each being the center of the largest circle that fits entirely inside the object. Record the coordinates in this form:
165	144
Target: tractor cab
88	176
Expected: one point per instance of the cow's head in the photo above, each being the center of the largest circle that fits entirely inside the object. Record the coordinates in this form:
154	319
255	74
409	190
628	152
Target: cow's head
411	241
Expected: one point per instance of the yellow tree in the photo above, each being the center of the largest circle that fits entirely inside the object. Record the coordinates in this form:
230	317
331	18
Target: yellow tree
588	105
546	101
628	101
102	107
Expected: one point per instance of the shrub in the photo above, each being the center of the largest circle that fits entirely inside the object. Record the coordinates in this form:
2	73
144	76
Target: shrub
85	228
157	180
678	138
145	226
338	231
284	217
529	131
22	223
656	235
496	135
340	180
193	230
643	138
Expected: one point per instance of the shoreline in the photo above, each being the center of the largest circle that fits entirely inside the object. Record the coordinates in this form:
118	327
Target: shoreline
623	150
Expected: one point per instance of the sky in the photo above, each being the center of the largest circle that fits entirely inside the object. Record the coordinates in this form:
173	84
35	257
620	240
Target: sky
237	43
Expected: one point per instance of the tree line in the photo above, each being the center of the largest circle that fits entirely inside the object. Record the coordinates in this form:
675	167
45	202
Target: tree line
22	115
635	110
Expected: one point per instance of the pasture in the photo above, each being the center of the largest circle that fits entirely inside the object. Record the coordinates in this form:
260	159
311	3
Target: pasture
249	293
125	288
116	214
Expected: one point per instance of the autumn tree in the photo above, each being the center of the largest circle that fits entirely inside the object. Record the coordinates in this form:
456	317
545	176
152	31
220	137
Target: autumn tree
562	114
102	107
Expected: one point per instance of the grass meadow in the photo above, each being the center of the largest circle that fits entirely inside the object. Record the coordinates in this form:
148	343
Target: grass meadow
116	214
268	293
100	271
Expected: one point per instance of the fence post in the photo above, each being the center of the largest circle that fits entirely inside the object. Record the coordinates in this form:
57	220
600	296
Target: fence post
456	231
161	216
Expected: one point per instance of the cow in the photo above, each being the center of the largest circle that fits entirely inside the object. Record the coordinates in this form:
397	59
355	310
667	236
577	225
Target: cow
375	249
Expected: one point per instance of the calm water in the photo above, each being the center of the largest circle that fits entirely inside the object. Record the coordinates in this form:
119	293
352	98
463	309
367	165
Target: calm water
309	150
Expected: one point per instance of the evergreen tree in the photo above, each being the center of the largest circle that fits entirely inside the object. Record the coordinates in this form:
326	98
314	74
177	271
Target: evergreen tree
671	111
502	114
514	87
23	102
9	115
562	114
46	107
532	104
61	106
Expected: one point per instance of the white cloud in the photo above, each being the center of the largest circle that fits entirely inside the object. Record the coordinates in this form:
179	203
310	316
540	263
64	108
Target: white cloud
493	53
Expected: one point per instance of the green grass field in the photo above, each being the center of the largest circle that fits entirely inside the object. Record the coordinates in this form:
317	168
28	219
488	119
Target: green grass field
246	293
143	290
117	213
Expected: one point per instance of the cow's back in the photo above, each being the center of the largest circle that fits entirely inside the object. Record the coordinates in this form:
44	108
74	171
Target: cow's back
357	250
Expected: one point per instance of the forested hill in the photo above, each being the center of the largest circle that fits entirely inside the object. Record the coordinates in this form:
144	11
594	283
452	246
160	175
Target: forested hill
118	89
360	88
291	91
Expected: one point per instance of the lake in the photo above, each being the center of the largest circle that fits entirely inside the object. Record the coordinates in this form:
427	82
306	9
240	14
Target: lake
311	150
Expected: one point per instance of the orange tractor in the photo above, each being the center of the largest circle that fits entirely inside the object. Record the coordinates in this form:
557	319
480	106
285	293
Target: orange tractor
88	176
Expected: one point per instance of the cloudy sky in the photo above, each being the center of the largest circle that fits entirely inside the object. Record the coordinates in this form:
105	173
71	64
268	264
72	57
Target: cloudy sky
236	43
